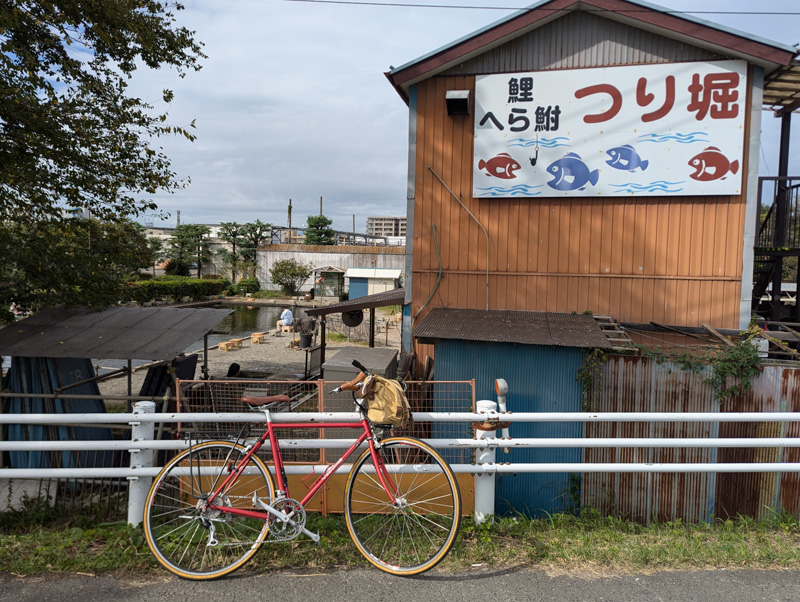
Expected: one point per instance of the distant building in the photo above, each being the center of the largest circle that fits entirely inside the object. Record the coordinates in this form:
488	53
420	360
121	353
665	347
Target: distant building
386	226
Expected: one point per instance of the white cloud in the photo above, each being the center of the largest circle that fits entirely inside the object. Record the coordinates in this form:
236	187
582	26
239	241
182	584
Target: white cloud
292	102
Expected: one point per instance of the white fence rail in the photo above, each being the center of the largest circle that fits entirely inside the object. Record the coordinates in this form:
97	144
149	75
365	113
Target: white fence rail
142	444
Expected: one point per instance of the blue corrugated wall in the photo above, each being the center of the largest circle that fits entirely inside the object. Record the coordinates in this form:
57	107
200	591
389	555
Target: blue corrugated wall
359	287
540	379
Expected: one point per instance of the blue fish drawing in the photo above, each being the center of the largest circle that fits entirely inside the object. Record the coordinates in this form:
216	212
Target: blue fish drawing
626	158
571	173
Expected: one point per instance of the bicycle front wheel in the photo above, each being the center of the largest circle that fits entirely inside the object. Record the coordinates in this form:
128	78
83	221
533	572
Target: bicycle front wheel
412	532
191	540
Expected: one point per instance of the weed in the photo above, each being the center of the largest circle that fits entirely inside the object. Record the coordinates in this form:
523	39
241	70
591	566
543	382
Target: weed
568	541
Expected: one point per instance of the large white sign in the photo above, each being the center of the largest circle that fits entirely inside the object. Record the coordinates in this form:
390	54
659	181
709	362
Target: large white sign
647	130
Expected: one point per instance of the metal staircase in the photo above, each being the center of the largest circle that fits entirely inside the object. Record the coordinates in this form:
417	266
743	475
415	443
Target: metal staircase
777	238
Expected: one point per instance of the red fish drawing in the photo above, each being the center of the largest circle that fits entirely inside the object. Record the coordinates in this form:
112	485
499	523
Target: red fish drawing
711	164
501	166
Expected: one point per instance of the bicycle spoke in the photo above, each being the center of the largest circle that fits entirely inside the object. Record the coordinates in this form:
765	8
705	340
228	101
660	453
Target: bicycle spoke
179	519
412	533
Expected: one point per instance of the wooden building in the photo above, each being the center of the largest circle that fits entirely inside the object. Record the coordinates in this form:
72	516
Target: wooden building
677	253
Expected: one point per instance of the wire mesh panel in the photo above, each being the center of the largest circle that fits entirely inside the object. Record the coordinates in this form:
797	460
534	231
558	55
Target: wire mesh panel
442	396
225	396
313	396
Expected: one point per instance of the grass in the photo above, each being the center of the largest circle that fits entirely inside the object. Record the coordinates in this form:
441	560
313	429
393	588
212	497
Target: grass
33	541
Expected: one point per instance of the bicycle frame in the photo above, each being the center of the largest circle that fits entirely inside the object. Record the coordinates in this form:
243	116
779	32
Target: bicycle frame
280	475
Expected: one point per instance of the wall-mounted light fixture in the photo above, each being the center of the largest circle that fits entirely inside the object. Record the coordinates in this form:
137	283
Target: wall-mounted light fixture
457	102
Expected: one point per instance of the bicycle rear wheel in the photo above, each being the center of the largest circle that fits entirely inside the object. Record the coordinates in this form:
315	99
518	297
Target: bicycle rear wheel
413	533
191	540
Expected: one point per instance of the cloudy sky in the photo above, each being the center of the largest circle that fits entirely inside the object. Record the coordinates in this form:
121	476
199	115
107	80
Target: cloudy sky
292	101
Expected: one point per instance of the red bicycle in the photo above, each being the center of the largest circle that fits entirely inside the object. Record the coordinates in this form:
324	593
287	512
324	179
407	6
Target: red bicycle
212	506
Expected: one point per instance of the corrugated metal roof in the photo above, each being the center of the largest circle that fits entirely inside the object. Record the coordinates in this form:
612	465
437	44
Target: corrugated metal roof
394	297
147	333
497	326
372	273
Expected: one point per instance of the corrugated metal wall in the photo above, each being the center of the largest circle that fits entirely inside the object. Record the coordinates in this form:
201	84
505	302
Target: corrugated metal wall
541	379
674	260
326	255
636	384
582	39
359	287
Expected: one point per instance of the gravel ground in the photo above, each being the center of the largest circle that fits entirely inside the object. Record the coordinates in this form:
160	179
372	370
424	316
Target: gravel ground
275	355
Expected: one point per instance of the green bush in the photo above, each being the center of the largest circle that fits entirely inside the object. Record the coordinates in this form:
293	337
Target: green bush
268	295
175	288
250	285
177	268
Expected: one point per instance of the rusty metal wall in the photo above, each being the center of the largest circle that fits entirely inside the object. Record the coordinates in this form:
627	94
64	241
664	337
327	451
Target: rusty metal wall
578	40
639	384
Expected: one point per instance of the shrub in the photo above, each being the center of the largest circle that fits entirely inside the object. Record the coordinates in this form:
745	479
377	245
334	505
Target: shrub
289	275
175	288
176	267
268	295
250	285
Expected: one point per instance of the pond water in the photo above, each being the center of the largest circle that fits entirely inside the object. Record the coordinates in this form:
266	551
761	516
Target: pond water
244	321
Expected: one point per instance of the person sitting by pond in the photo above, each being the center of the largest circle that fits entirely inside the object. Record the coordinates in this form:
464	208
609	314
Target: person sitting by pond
287	319
233	370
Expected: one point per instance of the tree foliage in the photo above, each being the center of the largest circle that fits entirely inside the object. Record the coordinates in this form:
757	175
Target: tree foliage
244	240
254	234
231	232
189	243
69	262
70	134
156	247
289	274
319	231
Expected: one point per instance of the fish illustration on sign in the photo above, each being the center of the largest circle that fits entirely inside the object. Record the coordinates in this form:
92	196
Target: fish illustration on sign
571	173
626	158
501	166
711	164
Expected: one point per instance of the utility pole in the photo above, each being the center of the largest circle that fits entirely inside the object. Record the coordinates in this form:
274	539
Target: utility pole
290	221
320	204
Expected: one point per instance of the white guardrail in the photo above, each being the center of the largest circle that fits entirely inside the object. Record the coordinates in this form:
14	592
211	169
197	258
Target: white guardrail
142	444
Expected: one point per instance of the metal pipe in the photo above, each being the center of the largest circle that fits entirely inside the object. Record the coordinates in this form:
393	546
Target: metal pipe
7	394
484	484
502	468
482	443
256	417
140	458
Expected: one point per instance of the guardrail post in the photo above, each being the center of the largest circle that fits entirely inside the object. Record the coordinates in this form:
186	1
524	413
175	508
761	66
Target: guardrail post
484	482
138	487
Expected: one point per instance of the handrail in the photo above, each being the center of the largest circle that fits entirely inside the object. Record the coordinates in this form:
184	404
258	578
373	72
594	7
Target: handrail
143	443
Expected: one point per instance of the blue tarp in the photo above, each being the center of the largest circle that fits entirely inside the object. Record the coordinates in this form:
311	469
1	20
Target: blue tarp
45	375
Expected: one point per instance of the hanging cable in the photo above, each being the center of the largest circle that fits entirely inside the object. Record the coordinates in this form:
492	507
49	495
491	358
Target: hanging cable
477	222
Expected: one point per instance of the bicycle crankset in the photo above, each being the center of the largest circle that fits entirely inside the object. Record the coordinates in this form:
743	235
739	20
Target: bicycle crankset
284	530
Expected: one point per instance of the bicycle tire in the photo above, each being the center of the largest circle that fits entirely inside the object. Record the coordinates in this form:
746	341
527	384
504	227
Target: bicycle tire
414	536
178	531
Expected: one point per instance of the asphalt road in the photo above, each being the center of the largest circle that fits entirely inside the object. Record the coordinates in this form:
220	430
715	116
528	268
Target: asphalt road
374	586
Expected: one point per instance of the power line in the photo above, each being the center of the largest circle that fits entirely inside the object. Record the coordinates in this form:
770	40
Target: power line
524	8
